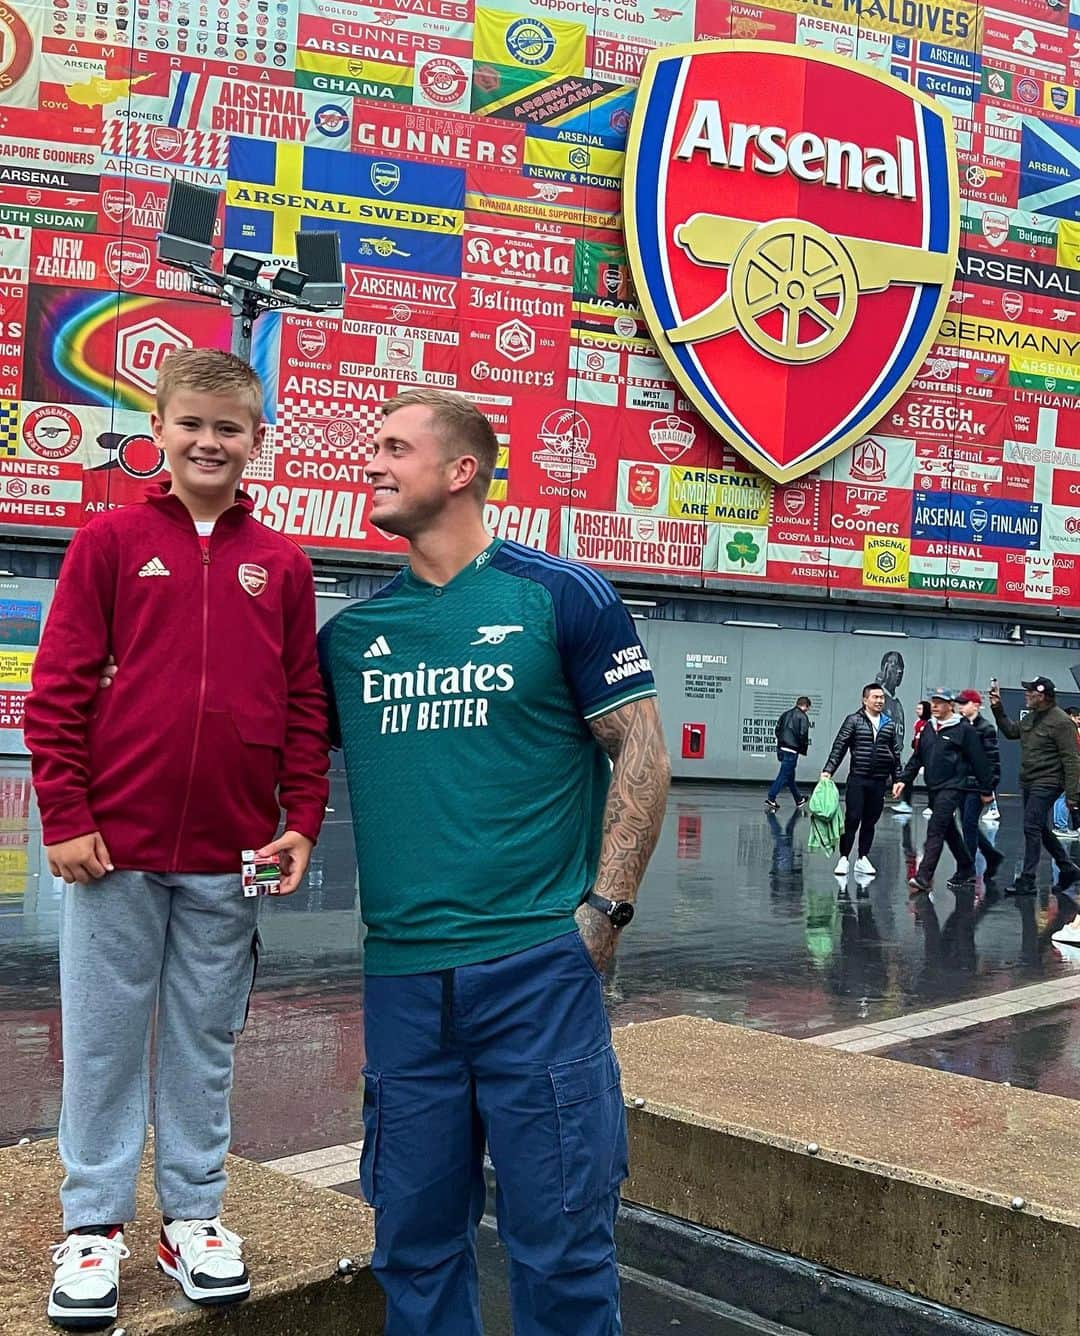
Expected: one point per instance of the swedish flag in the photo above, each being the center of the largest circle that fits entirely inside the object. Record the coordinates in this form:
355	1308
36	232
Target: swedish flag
389	214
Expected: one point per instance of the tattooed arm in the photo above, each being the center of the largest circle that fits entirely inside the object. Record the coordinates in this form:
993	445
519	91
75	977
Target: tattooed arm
632	737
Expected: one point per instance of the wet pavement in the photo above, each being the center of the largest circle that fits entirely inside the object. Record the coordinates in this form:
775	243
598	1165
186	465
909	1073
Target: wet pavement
1038	1052
737	921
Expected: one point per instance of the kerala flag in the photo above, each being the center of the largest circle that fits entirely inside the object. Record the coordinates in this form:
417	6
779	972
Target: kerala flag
389	214
512	52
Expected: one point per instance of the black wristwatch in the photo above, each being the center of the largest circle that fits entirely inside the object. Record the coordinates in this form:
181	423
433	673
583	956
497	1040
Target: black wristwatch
618	912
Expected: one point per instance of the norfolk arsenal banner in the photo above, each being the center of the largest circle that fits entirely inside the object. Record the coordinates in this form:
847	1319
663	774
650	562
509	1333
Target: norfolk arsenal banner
793	276
740	312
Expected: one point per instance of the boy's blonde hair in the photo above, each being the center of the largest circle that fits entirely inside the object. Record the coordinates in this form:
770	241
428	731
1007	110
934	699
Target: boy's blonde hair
461	428
208	371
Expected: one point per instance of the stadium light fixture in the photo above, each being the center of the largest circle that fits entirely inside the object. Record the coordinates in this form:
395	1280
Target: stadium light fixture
888	635
758	626
187	242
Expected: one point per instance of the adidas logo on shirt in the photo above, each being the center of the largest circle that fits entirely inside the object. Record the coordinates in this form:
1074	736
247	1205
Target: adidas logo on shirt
378	647
155	566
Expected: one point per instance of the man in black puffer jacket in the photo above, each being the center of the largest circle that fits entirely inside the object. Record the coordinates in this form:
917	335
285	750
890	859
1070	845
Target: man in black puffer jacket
792	741
870	736
949	752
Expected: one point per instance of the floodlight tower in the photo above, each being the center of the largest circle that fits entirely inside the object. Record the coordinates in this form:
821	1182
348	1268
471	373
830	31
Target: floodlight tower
188	243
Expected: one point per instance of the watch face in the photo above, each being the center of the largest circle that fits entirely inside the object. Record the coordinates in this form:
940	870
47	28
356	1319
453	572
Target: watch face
621	915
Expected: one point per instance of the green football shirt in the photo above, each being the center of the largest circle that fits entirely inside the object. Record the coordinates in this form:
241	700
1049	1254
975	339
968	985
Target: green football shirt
477	787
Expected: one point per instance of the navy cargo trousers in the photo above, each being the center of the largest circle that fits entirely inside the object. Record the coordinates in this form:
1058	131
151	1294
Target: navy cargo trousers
513	1054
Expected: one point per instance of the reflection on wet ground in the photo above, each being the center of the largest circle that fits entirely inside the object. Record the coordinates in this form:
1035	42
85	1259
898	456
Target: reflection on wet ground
1038	1052
737	921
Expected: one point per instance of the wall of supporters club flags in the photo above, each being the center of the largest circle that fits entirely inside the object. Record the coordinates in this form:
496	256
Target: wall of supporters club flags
471	158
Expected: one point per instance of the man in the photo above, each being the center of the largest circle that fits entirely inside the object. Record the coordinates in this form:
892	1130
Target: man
479	696
973	807
949	751
1049	765
870	736
792	741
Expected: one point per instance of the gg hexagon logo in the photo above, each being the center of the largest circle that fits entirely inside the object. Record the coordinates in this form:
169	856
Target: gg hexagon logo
144	346
792	220
515	340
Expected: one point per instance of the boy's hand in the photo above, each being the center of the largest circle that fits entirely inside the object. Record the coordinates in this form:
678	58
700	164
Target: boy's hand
108	673
83	860
294	850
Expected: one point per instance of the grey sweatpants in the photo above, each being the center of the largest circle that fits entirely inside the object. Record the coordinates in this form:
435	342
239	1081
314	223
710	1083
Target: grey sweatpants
131	942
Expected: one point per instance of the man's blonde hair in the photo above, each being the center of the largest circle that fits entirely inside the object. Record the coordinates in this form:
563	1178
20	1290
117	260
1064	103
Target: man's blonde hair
208	371
461	428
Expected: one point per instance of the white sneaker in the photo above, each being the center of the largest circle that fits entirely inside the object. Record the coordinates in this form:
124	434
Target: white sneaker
903	807
86	1288
841	869
864	868
205	1258
928	813
1070	933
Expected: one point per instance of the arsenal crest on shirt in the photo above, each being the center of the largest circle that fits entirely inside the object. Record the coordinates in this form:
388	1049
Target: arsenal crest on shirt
793	226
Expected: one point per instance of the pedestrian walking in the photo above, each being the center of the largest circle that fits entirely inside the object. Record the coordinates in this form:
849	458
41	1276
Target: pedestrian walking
869	735
480	696
149	793
922	714
972	808
792	741
949	752
1049	766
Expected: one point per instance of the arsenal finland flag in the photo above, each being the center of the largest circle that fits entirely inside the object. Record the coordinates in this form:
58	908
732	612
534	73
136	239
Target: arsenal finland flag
793	223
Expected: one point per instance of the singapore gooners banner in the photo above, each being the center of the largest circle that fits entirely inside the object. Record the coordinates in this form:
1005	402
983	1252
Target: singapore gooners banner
793	224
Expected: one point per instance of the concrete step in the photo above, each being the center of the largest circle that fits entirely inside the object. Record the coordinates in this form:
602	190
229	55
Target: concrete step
295	1236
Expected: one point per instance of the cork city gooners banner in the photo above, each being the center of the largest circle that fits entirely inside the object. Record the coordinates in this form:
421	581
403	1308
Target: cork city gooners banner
793	224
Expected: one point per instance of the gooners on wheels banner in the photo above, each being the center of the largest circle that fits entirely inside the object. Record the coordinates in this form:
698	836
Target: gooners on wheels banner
793	225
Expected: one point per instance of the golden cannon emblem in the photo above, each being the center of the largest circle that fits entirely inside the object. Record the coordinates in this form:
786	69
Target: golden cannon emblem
812	278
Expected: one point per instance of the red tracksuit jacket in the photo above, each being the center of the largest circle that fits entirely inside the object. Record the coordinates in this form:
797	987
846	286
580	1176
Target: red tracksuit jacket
217	713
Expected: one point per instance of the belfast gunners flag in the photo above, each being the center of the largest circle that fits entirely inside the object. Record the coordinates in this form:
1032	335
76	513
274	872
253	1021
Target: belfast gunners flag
792	221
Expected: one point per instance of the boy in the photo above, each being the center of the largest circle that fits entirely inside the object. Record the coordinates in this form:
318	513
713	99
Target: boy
149	792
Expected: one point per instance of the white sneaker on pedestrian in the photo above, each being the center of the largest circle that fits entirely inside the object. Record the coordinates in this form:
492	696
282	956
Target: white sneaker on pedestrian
928	813
86	1287
1069	834
864	868
902	807
205	1258
841	869
1069	934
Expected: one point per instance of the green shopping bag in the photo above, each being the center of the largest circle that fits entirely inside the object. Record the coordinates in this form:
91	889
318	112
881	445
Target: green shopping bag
826	821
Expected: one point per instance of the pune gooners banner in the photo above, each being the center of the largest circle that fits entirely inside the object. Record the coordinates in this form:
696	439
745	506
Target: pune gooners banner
793	224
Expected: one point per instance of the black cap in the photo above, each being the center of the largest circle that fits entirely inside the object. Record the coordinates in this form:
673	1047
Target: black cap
1041	684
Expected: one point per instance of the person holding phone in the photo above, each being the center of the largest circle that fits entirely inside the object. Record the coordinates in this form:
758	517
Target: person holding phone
1049	765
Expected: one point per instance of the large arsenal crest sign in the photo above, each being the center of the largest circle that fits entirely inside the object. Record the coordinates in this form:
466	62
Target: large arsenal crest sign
793	225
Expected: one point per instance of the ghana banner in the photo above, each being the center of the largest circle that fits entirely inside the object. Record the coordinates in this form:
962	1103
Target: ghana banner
472	158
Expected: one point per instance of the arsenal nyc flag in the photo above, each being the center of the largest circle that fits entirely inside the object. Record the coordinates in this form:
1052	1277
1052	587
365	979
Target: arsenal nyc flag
792	220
